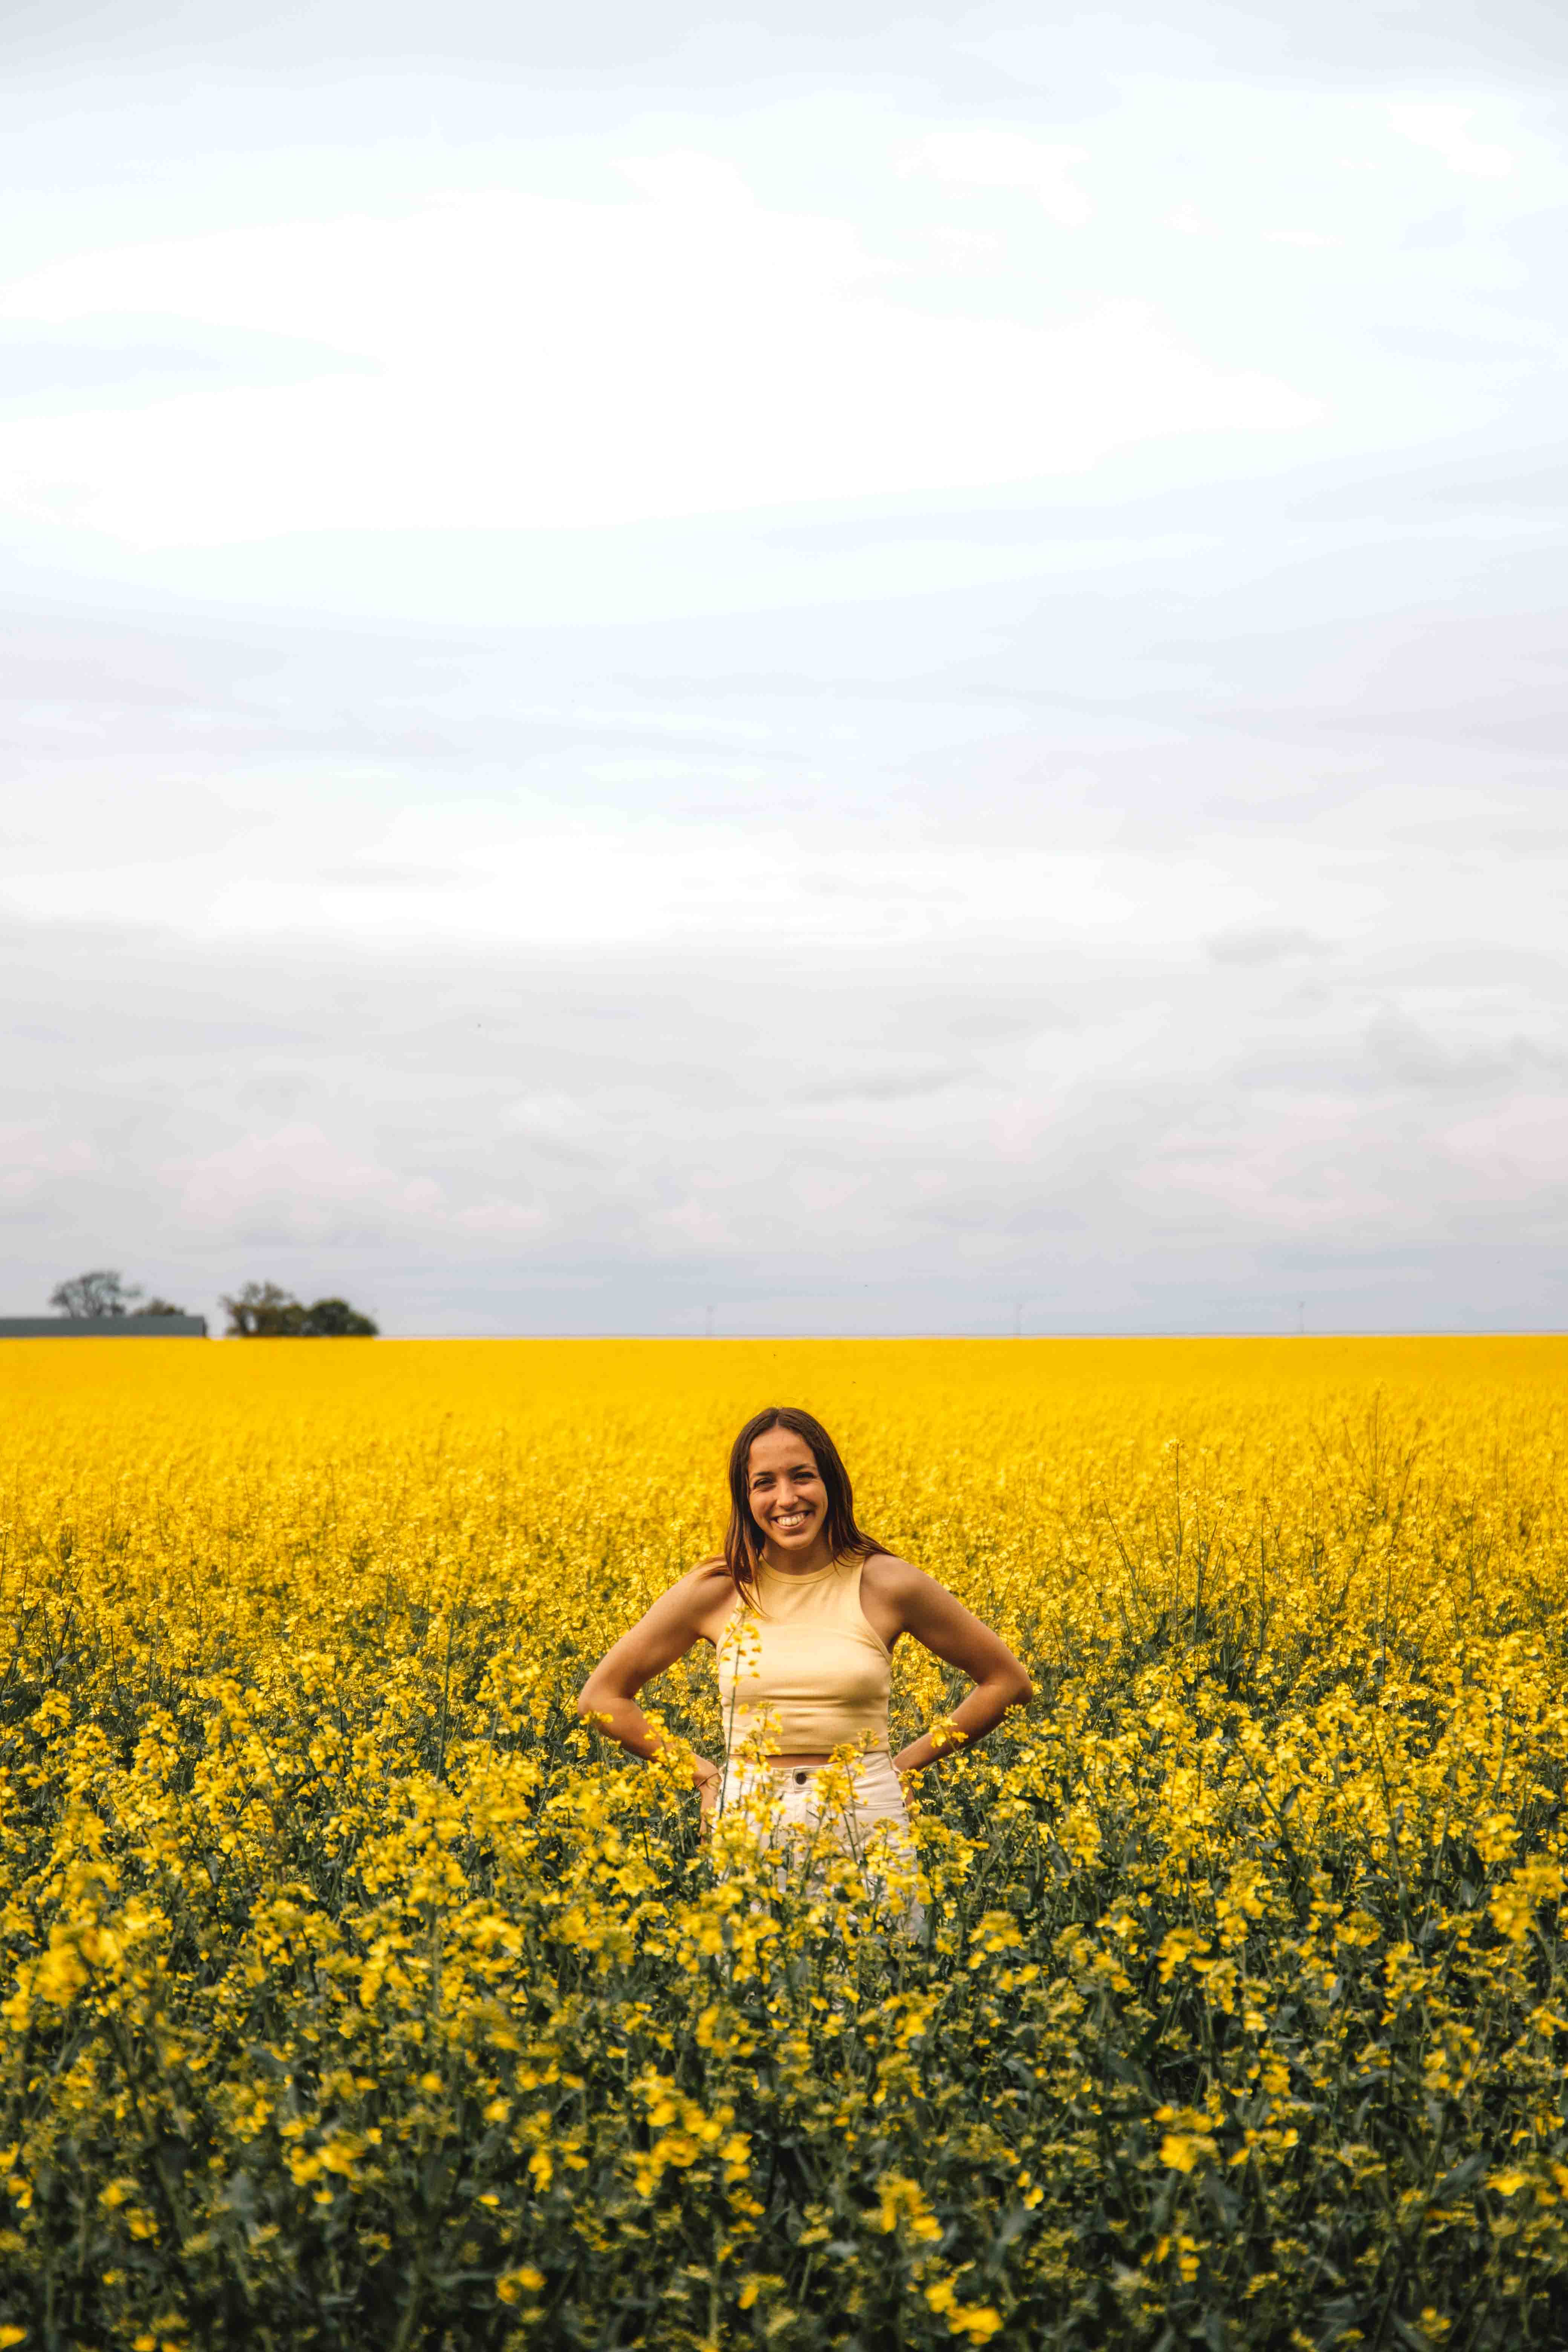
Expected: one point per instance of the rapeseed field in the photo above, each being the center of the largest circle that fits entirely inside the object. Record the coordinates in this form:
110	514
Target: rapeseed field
353	1995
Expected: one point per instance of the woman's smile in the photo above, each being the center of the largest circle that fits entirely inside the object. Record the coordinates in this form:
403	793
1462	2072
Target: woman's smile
789	1522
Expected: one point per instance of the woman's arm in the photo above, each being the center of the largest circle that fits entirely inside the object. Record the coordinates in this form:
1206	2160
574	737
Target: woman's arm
960	1639
677	1618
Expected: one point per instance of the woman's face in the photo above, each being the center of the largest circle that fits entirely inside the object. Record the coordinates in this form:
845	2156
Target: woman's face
784	1488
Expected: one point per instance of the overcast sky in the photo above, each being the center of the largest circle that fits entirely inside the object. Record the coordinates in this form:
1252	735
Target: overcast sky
856	670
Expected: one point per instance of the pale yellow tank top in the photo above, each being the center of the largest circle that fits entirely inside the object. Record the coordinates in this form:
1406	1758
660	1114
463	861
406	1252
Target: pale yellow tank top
802	1666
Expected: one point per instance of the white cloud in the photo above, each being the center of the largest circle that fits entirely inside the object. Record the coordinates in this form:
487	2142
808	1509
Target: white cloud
33	1160
1443	126
540	363
297	1180
986	157
1307	1167
542	881
1518	1147
501	1221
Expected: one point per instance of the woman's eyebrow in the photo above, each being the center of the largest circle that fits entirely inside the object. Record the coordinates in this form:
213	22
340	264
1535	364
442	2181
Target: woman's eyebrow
794	1469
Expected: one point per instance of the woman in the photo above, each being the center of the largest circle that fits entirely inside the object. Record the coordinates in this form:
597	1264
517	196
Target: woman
804	1610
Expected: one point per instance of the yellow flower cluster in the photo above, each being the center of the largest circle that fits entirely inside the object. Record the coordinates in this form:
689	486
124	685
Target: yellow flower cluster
352	1994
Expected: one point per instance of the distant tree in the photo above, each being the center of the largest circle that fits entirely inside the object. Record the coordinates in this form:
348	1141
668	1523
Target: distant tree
86	1297
157	1306
334	1319
263	1311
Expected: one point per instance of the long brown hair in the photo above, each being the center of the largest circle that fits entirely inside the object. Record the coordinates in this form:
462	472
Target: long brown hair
744	1540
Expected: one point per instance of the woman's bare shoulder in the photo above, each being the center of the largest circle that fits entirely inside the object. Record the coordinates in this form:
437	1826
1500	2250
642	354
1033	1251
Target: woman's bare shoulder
703	1579
693	1593
708	1571
890	1574
706	1594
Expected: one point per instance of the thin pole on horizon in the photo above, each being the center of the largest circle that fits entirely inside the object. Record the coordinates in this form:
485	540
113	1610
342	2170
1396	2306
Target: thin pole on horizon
707	1332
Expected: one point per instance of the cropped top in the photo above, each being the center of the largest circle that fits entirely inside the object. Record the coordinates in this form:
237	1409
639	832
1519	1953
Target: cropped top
802	1666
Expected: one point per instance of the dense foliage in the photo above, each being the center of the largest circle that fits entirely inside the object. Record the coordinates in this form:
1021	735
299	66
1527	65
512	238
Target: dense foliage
354	1997
103	1294
262	1310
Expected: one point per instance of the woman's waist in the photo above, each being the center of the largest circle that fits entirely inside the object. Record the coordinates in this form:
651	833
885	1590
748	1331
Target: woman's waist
802	1727
748	1750
812	1758
869	1775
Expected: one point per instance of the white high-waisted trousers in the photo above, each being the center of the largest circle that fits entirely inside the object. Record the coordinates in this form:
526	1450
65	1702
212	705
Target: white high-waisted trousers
809	1811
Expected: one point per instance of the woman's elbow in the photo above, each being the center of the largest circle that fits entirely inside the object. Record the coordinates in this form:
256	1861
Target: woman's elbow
1020	1690
593	1703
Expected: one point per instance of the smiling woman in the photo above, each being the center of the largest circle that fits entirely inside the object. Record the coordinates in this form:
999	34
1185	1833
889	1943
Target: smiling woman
804	1610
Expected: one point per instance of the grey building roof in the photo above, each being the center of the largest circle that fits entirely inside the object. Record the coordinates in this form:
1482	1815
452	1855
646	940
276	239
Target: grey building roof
103	1326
